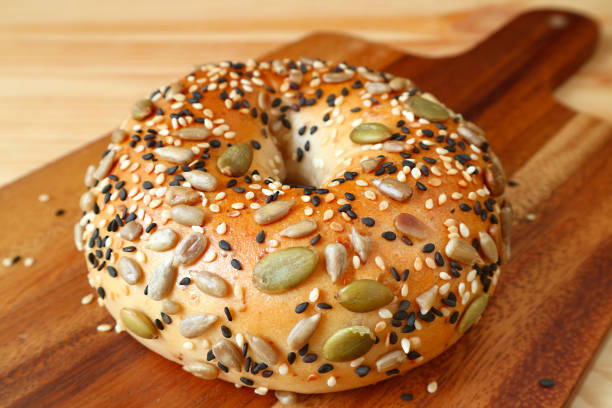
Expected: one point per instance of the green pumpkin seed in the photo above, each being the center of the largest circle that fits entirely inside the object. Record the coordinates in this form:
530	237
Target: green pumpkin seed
348	344
284	269
138	323
427	109
236	160
368	133
473	312
142	109
364	295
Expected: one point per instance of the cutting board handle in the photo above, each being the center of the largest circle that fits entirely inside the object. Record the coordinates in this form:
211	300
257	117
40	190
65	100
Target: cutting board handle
536	51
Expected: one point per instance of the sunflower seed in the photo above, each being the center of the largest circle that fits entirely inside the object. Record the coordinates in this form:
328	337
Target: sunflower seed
410	225
302	331
495	177
142	109
138	323
472	133
335	260
390	361
170	307
131	231
427	109
426	299
186	215
162	239
461	251
336	77
348	344
190	248
285	397
227	354
105	165
206	371
272	212
375	88
262	349
369	133
162	280
193	133
78	236
393	188
488	246
197	325
129	270
299	229
369	165
89	175
181	195
284	269
400	84
394	147
472	313
174	154
118	136
364	295
361	244
86	201
236	160
210	283
201	180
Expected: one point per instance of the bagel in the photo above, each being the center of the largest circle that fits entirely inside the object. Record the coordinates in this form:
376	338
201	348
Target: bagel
299	226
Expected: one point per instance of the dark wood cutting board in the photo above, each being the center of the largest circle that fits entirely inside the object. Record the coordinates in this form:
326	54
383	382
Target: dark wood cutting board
550	314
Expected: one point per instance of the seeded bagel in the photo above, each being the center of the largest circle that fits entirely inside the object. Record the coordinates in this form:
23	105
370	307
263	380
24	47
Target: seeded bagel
299	226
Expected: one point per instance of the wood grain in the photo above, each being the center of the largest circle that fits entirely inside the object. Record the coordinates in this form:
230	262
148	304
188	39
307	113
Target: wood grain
551	313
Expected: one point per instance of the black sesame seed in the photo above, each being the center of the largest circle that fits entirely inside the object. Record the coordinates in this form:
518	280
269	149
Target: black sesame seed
267	373
210	355
310	358
315	239
421	186
454	317
395	274
246	381
362	371
159	324
429	248
406	397
111	271
439	259
368	222
228	314
260	237
324	306
291	357
236	264
303	350
225	245
185	281
301	307
227	333
222	367
413	355
167	319
547	383
101	292
389	235
325	368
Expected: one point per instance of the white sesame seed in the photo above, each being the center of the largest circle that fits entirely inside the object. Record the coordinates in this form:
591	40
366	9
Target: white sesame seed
385	313
283	369
85	300
29	261
43	198
188	345
405	345
331	381
259	390
432	387
314	295
104	327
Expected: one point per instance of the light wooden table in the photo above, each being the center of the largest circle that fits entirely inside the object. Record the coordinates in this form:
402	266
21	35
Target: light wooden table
70	70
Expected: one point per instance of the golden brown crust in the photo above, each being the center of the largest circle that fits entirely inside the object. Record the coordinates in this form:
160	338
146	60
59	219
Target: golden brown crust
298	120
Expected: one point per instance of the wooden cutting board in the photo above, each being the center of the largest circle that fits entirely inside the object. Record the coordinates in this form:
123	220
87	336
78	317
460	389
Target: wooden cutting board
550	314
